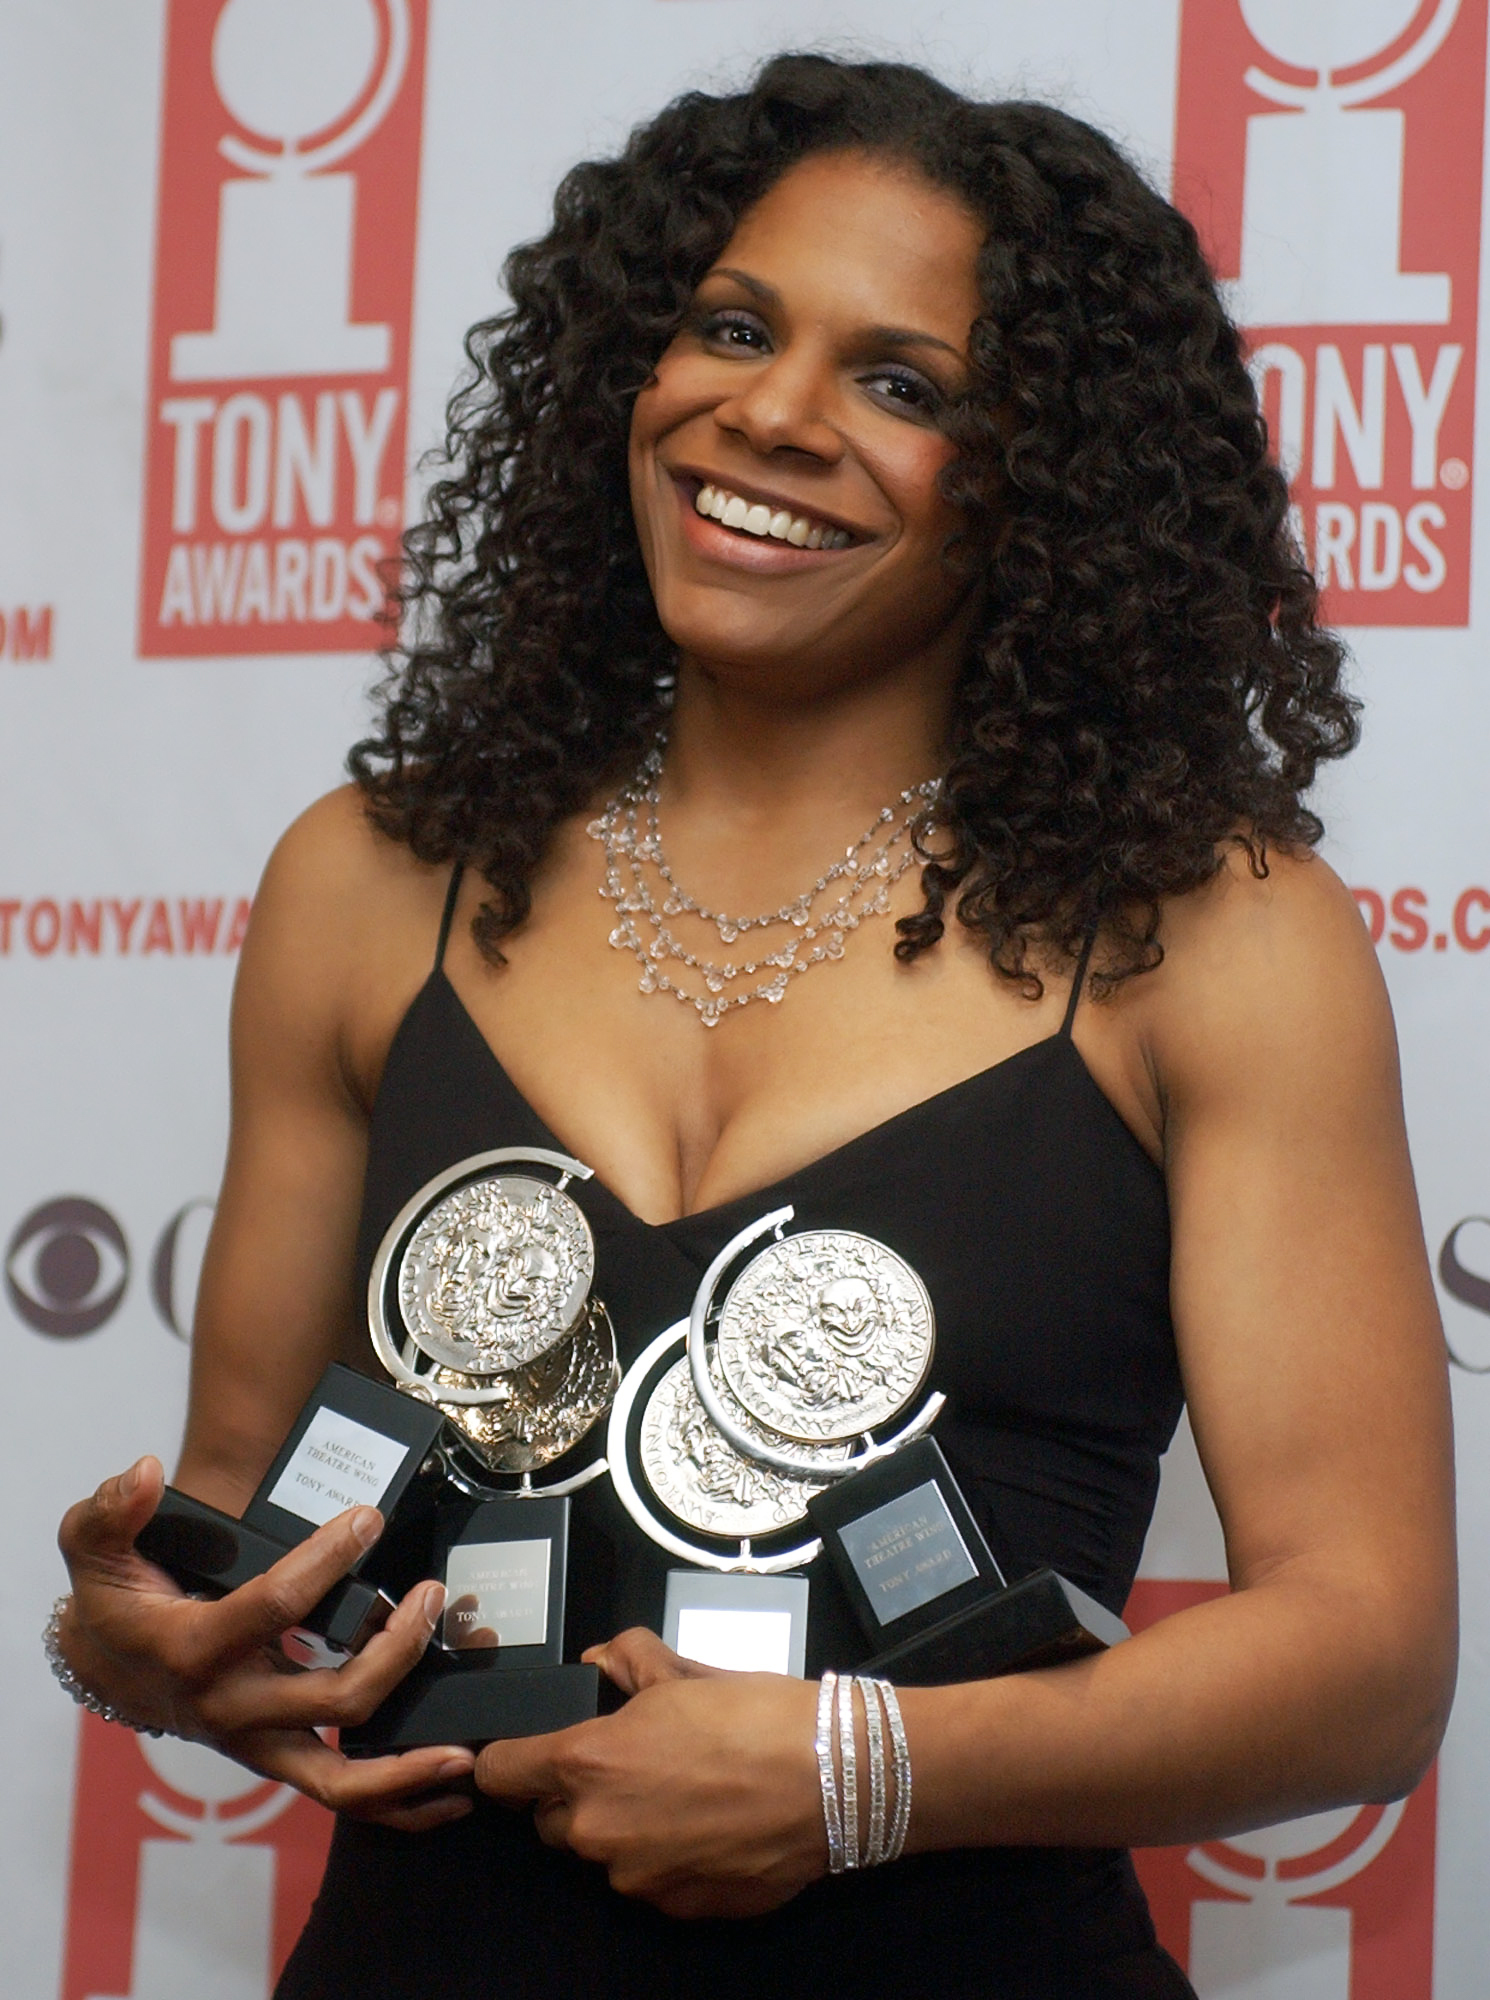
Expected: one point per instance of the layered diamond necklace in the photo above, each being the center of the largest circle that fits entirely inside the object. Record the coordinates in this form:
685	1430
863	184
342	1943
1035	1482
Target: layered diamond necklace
862	877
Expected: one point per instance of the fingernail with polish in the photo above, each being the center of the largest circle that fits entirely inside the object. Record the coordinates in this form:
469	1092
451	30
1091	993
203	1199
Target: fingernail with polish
367	1525
434	1604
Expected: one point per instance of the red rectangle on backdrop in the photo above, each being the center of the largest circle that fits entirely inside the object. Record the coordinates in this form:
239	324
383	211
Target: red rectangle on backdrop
182	1860
1338	1903
279	360
1338	184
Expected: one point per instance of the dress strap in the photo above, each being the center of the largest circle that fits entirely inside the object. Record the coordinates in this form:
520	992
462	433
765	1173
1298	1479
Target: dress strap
445	921
1079	981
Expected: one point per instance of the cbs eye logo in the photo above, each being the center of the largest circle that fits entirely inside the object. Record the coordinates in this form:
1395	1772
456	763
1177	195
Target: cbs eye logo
67	1267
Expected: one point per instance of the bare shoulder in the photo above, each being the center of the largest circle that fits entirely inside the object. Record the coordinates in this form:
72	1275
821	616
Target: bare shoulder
333	863
1269	977
342	933
1293	902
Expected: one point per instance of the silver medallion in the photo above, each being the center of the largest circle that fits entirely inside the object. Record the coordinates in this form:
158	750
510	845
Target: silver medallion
496	1274
548	1406
825	1336
701	1479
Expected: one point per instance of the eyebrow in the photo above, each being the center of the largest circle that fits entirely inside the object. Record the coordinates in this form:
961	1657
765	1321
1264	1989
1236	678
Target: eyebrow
888	336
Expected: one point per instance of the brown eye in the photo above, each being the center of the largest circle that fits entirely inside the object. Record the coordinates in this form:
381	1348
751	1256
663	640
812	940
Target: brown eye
907	391
739	331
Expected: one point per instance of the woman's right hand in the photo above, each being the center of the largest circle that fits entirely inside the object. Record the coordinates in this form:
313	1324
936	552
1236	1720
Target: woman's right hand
215	1672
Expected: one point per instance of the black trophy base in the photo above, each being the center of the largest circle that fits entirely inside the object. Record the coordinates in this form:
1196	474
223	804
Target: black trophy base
1041	1621
447	1700
209	1552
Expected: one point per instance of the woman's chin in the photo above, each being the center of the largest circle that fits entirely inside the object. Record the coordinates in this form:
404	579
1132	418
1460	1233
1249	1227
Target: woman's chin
763	651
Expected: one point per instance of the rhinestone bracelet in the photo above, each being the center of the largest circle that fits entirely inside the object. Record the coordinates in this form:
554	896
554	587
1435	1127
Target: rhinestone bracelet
884	1838
848	1771
875	1847
832	1817
51	1640
900	1824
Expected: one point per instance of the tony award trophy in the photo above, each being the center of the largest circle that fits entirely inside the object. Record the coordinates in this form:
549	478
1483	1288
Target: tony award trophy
801	1398
480	1309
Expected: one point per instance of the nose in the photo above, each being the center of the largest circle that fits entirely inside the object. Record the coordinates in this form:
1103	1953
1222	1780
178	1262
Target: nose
785	406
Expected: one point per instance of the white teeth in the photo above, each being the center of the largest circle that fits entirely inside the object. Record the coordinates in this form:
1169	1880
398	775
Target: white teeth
756	518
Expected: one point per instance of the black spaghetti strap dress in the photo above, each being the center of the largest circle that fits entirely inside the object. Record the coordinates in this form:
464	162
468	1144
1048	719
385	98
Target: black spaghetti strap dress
1041	1230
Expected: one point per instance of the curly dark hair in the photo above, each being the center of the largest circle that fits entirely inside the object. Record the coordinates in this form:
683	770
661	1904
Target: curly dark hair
1148	685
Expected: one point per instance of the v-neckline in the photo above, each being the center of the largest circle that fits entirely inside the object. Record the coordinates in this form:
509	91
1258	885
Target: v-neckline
702	1216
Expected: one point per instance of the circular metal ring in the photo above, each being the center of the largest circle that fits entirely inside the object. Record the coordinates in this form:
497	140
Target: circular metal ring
784	1458
549	1406
825	1336
495	1273
701	1557
401	1363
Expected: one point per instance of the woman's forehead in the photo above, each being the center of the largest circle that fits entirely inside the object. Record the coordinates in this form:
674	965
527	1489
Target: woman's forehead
874	235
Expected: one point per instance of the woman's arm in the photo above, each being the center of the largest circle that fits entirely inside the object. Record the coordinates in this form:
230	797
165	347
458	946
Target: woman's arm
275	1305
1314	1367
275	1302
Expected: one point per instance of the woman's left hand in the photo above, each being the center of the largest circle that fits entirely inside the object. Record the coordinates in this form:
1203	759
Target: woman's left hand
701	1795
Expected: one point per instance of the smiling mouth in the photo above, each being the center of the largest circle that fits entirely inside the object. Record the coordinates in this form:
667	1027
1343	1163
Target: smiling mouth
777	524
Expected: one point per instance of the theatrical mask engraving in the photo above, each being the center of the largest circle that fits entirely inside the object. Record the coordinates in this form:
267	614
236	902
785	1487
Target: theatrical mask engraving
825	1336
496	1274
701	1478
549	1405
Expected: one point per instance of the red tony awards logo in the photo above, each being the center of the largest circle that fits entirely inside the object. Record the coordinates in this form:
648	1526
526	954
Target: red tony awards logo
280	351
190	1875
1330	156
1338	1906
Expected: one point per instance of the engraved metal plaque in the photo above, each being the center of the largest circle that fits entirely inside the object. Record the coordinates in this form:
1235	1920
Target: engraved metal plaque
702	1479
495	1274
336	1463
825	1335
907	1552
498	1594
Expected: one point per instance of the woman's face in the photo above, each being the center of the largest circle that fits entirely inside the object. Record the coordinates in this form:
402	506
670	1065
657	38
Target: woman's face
806	389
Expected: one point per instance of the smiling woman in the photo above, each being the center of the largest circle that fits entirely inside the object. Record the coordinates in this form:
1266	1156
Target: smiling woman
863	516
790	359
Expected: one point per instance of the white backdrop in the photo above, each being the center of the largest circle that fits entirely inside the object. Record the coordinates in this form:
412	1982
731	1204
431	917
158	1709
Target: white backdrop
155	743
